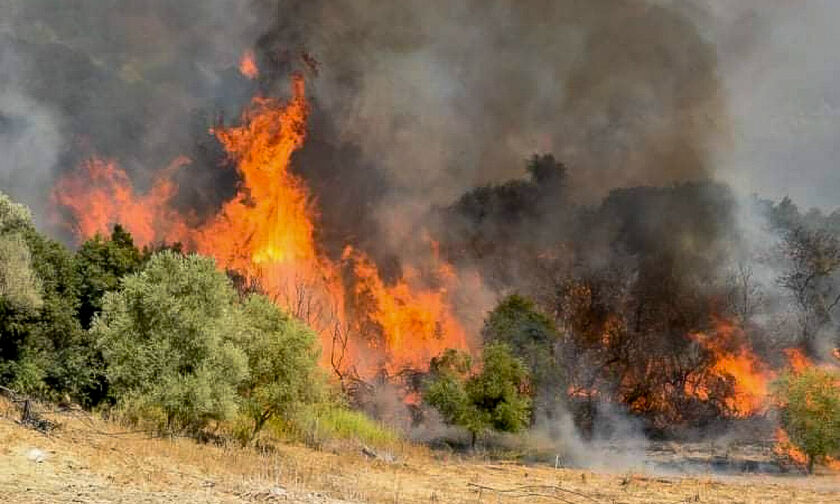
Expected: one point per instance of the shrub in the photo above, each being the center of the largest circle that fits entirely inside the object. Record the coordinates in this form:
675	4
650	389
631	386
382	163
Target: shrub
493	398
43	350
810	411
533	337
282	360
100	264
167	338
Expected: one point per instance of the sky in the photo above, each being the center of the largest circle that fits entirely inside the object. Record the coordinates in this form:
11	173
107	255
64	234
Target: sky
780	66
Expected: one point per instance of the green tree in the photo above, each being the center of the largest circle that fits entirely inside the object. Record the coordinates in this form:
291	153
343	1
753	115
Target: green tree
493	398
282	359
43	350
100	264
533	337
810	411
19	285
168	340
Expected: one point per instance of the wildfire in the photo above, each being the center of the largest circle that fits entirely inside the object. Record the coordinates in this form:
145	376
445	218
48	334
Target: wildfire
785	449
108	197
735	362
268	221
248	65
267	233
797	360
416	324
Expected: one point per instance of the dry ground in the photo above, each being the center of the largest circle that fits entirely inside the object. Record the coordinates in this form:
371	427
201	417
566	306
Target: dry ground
87	460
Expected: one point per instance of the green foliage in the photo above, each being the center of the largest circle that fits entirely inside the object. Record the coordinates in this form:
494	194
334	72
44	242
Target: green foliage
282	359
327	421
494	398
43	350
499	389
533	337
100	264
810	411
19	285
168	340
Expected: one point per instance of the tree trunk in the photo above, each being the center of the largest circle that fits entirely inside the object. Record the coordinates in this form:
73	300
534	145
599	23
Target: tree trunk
810	464
473	439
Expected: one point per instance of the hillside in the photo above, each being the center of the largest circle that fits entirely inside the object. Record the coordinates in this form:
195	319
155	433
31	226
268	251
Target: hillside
88	460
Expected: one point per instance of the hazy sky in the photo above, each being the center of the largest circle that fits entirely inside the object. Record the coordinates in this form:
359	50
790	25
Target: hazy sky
780	62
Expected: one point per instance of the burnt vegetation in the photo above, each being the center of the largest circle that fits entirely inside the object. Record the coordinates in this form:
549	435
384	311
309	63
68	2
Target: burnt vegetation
627	285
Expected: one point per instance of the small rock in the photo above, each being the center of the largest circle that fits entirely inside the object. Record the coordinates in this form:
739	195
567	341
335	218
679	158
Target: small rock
277	491
36	455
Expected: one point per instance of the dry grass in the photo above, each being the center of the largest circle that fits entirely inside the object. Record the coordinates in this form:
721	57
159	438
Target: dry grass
91	460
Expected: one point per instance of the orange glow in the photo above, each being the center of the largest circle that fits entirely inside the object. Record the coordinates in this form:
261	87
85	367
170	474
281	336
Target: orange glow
266	232
268	221
99	194
416	323
798	361
735	361
248	65
784	448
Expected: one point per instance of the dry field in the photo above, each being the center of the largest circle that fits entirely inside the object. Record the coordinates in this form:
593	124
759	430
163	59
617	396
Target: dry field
88	460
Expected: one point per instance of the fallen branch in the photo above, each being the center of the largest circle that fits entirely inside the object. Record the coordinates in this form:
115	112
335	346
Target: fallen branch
28	418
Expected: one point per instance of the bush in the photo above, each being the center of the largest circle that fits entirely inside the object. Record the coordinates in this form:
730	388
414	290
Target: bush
810	411
494	398
282	360
100	264
168	341
533	337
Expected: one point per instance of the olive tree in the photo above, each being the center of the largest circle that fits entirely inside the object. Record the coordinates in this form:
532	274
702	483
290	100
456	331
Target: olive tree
168	338
282	359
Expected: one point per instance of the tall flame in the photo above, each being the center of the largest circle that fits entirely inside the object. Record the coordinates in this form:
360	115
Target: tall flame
268	221
266	232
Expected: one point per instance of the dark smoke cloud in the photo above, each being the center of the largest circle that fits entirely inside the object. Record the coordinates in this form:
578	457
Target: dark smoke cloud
439	96
413	104
137	81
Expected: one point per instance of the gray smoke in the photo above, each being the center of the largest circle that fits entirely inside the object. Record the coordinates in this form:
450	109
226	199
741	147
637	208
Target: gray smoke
139	82
443	96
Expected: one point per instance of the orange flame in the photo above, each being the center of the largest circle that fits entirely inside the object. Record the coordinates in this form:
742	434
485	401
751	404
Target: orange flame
267	233
784	448
735	361
797	360
248	65
416	323
109	198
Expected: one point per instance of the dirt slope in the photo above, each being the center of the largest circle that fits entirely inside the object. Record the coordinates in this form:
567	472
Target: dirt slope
90	461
